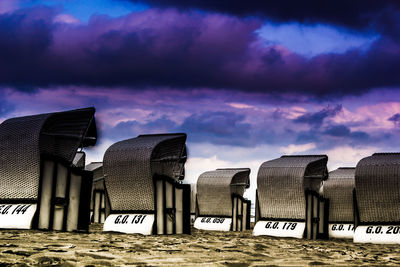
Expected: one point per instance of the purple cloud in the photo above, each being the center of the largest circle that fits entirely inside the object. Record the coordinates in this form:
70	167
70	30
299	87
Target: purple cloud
395	119
317	118
179	50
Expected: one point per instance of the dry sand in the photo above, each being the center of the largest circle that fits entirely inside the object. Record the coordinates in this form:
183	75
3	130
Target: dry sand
201	248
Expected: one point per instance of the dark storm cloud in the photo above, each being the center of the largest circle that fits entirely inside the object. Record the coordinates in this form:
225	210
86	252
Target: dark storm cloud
181	50
354	13
395	119
317	118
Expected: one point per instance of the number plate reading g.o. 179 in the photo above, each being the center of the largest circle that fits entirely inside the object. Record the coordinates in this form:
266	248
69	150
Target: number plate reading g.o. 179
130	223
213	223
379	234
16	216
279	229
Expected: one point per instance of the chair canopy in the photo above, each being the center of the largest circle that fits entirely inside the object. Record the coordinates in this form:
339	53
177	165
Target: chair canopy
215	190
377	182
130	166
24	140
339	189
281	184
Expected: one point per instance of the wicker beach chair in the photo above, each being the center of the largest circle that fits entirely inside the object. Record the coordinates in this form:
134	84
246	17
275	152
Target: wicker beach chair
338	188
99	205
220	197
142	178
377	195
41	170
287	197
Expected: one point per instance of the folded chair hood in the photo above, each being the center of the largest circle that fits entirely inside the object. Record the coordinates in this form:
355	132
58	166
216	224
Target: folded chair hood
215	190
339	189
24	140
281	184
130	165
377	182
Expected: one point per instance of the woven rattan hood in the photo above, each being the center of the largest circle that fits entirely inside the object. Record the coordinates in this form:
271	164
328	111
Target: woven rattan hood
377	182
281	183
130	165
339	189
215	189
24	140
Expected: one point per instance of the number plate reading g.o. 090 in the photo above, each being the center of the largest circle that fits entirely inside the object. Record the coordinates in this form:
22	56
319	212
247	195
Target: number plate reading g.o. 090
379	234
279	229
16	216
130	223
213	223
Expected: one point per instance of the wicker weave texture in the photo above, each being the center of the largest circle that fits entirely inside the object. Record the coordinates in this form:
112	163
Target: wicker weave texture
339	189
24	139
215	189
281	184
377	182
129	167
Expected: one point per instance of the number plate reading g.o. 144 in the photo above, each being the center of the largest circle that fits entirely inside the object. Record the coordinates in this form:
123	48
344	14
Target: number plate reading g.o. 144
16	216
213	223
341	230
379	234
130	223
279	229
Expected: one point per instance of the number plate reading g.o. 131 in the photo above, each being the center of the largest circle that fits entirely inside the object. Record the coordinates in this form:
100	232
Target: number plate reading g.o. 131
16	216
341	230
130	223
379	234
279	229
213	223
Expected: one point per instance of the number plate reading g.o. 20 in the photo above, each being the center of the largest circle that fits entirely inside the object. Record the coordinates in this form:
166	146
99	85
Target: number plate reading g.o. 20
130	223
279	229
341	230
379	234
16	216
213	223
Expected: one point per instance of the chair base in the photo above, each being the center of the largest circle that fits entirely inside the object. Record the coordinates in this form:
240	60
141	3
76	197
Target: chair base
213	223
17	216
130	223
287	228
341	230
378	234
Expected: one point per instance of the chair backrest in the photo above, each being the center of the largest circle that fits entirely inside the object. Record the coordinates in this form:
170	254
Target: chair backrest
338	188
215	190
281	185
24	140
378	189
131	165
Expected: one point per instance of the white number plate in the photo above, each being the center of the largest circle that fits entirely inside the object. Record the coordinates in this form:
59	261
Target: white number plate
213	223
337	230
16	216
130	223
279	229
379	234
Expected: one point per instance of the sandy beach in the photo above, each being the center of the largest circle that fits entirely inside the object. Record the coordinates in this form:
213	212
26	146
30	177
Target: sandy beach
200	249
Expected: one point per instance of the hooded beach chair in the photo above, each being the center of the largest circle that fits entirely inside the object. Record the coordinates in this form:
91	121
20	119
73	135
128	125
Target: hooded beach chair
42	181
377	195
338	188
143	183
220	201
99	204
288	203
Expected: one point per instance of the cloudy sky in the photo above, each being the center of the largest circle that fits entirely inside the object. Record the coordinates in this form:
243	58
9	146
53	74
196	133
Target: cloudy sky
246	83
